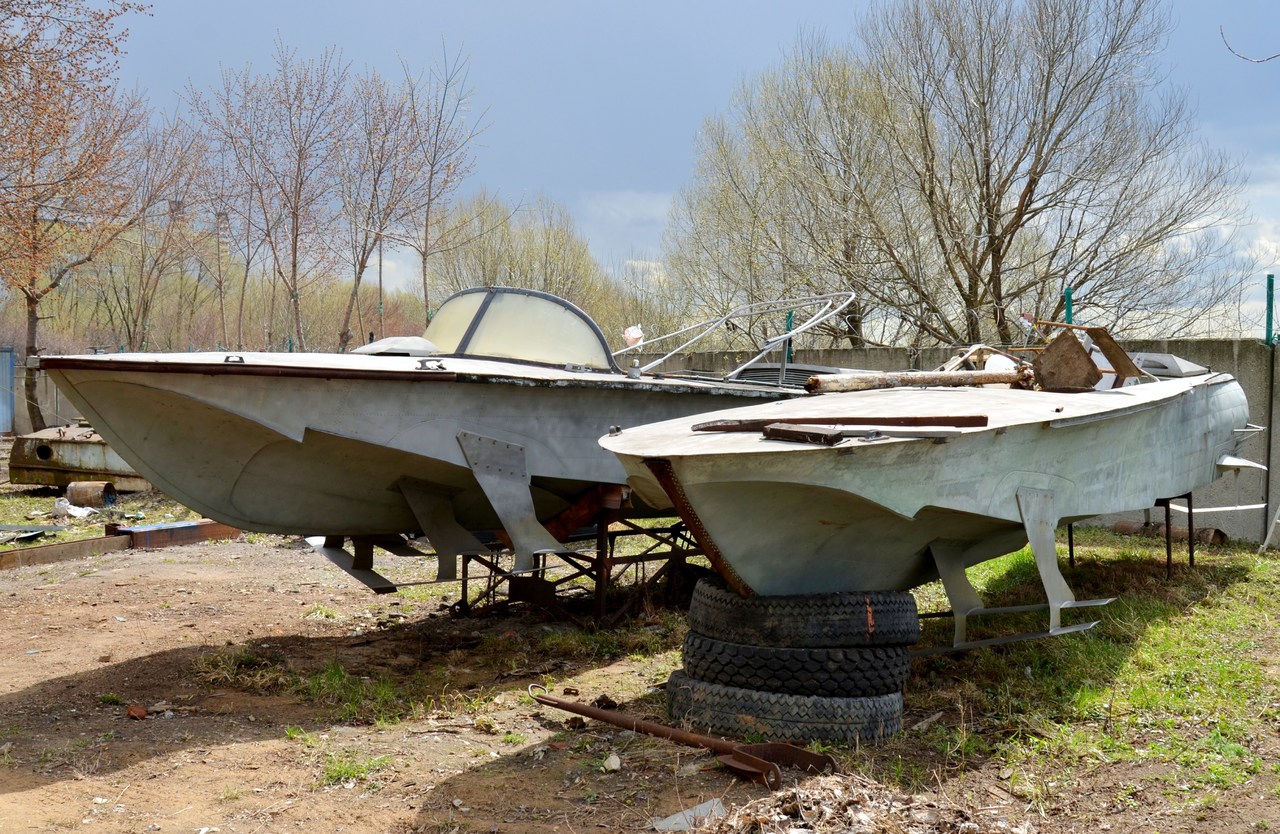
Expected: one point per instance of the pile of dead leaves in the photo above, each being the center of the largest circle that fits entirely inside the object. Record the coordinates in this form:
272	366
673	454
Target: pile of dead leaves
852	804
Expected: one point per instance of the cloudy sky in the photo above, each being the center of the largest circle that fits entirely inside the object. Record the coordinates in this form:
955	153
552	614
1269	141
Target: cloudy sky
595	103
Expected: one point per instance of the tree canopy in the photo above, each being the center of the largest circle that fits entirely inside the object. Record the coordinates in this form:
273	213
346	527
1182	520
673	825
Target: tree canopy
963	163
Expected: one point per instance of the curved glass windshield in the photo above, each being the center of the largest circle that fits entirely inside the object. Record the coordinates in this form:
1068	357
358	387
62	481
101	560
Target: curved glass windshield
525	325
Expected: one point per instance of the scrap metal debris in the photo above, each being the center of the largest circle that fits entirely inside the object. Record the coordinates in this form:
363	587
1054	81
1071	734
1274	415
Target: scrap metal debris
853	804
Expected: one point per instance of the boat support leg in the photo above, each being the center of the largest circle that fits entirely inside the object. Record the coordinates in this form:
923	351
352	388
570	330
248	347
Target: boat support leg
500	469
1040	523
359	565
434	512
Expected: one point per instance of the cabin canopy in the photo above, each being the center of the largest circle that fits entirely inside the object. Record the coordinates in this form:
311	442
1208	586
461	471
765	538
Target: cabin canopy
518	324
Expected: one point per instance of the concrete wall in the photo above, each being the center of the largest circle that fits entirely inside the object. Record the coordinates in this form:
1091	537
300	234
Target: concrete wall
57	410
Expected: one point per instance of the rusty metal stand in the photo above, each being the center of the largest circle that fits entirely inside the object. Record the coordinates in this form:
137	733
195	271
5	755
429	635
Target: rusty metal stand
1168	533
544	586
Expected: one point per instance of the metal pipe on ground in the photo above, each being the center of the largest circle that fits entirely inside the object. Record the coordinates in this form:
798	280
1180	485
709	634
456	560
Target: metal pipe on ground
758	762
1204	535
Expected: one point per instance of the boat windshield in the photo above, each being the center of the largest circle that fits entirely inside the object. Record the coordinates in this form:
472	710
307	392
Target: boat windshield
525	325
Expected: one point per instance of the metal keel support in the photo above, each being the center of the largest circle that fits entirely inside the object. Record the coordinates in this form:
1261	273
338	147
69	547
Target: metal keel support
434	511
964	599
499	467
360	566
1036	508
1040	521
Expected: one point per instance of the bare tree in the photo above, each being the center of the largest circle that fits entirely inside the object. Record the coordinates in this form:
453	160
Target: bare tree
281	135
443	133
76	196
978	158
378	177
1045	156
166	160
772	211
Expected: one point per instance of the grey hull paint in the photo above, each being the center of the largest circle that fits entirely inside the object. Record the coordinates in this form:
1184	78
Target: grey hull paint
315	445
792	518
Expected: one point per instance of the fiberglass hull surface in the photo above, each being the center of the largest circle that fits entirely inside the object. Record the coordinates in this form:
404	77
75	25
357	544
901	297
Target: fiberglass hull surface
316	445
792	518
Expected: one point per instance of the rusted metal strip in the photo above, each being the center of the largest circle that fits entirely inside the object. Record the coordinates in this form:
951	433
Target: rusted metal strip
242	369
831	435
43	554
179	532
960	421
666	476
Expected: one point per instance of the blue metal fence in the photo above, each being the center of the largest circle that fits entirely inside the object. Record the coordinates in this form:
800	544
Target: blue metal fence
7	397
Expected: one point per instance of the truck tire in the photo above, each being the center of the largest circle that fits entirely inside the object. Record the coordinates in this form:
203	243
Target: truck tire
844	619
749	714
854	672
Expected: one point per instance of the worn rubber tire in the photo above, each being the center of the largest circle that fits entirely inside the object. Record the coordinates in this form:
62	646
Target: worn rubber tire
853	672
845	619
750	714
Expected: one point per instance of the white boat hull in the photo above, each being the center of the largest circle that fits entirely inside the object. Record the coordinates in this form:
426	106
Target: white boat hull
318	445
789	518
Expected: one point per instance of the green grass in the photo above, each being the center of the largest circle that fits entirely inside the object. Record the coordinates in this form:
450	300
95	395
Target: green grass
34	505
243	669
1180	676
304	737
340	768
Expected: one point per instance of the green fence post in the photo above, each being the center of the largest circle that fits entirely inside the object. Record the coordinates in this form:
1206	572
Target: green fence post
1271	302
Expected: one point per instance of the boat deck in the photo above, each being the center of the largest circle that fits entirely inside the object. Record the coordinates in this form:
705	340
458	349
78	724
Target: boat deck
935	410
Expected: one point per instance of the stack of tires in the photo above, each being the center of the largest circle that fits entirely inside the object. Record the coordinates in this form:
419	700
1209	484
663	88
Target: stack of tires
814	667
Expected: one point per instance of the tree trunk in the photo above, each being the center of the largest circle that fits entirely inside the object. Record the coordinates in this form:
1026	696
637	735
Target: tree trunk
344	334
30	379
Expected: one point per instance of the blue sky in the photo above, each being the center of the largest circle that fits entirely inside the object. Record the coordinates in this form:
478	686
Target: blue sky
596	103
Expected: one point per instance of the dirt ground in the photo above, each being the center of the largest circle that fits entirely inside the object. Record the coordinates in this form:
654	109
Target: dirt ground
86	639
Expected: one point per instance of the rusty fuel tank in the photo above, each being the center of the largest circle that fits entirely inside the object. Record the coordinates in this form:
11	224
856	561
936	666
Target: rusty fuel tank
67	454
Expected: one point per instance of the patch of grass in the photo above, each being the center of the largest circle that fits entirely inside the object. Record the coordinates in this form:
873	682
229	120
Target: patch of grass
230	794
243	669
304	737
381	700
424	593
340	768
34	505
470	702
1179	677
110	699
514	738
320	611
636	640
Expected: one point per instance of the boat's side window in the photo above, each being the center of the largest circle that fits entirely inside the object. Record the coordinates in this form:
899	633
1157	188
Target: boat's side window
453	319
536	329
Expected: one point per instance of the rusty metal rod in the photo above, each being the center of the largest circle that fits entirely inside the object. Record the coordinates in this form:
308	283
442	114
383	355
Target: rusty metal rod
754	761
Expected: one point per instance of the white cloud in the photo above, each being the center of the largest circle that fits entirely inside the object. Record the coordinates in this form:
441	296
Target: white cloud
621	225
401	270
